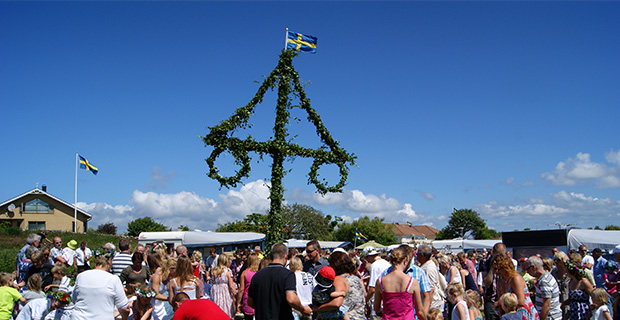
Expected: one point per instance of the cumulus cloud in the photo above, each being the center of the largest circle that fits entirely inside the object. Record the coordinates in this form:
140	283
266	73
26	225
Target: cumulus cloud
426	195
570	207
184	208
582	170
510	180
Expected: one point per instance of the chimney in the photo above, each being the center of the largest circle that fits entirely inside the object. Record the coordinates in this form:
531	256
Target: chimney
44	188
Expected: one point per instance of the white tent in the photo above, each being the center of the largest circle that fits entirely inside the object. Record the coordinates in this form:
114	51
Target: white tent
201	239
461	245
603	239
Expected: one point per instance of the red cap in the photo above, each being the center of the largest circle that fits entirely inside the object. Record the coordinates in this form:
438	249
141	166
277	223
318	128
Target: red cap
328	273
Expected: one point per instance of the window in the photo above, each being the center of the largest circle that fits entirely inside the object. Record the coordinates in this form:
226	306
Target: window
38	206
36	225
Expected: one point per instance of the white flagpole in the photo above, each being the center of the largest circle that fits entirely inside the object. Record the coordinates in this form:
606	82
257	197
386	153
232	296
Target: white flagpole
285	39
75	202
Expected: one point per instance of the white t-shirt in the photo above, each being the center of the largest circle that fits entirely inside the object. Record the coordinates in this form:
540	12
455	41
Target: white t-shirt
96	293
377	268
82	255
33	309
68	254
305	285
597	314
587	259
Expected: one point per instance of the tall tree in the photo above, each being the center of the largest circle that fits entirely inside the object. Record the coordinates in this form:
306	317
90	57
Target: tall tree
374	229
254	222
305	222
463	221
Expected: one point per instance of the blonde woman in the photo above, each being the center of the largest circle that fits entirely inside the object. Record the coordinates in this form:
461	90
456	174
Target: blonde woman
184	281
244	284
223	289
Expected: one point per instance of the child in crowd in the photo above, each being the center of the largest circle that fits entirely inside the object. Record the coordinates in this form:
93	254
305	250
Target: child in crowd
142	308
472	297
598	308
509	301
611	278
61	281
434	314
8	295
455	295
34	288
61	306
324	292
305	286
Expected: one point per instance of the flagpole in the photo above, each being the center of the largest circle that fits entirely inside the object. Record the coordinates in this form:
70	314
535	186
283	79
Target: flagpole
285	38
75	202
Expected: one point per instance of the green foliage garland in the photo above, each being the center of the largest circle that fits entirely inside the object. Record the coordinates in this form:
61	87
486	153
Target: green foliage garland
286	79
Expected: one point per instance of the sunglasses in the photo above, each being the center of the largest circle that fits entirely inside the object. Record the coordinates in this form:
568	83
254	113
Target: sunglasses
310	251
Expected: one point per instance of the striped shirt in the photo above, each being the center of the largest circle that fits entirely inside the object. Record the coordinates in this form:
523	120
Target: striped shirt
121	261
547	287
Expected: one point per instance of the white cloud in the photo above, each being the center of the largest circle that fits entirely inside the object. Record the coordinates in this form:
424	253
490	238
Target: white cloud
582	170
158	179
569	207
184	208
426	195
510	180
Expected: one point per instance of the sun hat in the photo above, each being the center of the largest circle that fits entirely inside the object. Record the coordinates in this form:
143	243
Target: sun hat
339	250
616	249
72	244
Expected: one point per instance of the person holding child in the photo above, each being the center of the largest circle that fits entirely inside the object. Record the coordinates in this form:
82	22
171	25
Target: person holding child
328	295
398	292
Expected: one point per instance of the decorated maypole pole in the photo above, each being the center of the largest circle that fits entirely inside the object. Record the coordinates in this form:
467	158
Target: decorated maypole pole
286	79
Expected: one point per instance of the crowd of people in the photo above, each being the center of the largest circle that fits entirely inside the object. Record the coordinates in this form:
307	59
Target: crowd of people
409	282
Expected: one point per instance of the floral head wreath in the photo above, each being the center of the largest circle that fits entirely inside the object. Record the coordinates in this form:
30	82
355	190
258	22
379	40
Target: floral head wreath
571	266
145	293
61	296
109	253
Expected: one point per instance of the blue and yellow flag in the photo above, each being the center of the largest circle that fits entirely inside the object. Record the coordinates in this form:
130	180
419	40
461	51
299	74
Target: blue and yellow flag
360	236
84	164
300	42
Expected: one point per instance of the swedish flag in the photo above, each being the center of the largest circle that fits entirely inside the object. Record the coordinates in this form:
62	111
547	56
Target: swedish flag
300	42
84	164
360	236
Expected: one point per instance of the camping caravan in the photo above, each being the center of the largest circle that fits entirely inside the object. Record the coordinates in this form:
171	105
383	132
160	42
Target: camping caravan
199	240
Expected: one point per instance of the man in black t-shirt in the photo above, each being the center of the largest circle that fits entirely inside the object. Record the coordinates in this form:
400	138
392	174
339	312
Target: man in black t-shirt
272	291
40	266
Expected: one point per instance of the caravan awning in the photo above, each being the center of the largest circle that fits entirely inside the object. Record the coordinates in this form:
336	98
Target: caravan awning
203	239
295	243
603	239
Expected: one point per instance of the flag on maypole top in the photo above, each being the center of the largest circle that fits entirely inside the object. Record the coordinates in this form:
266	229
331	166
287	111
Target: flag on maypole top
300	42
84	164
337	218
360	236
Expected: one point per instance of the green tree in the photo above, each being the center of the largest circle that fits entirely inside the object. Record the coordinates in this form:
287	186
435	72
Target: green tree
612	227
254	222
107	228
183	228
146	224
463	221
374	229
305	222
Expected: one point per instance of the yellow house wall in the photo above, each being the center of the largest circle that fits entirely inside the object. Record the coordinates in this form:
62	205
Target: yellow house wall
61	219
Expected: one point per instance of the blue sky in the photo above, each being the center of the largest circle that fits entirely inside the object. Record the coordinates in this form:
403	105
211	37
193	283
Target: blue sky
508	108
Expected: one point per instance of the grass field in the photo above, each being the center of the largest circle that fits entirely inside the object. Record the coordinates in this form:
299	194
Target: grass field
11	243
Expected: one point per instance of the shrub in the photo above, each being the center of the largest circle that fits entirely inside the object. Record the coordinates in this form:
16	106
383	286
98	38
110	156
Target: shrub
108	228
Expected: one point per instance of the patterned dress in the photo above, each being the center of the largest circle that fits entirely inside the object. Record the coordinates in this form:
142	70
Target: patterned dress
528	311
354	299
579	304
220	293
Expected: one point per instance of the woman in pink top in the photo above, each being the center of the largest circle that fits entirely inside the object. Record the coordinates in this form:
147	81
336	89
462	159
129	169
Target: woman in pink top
396	289
244	283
